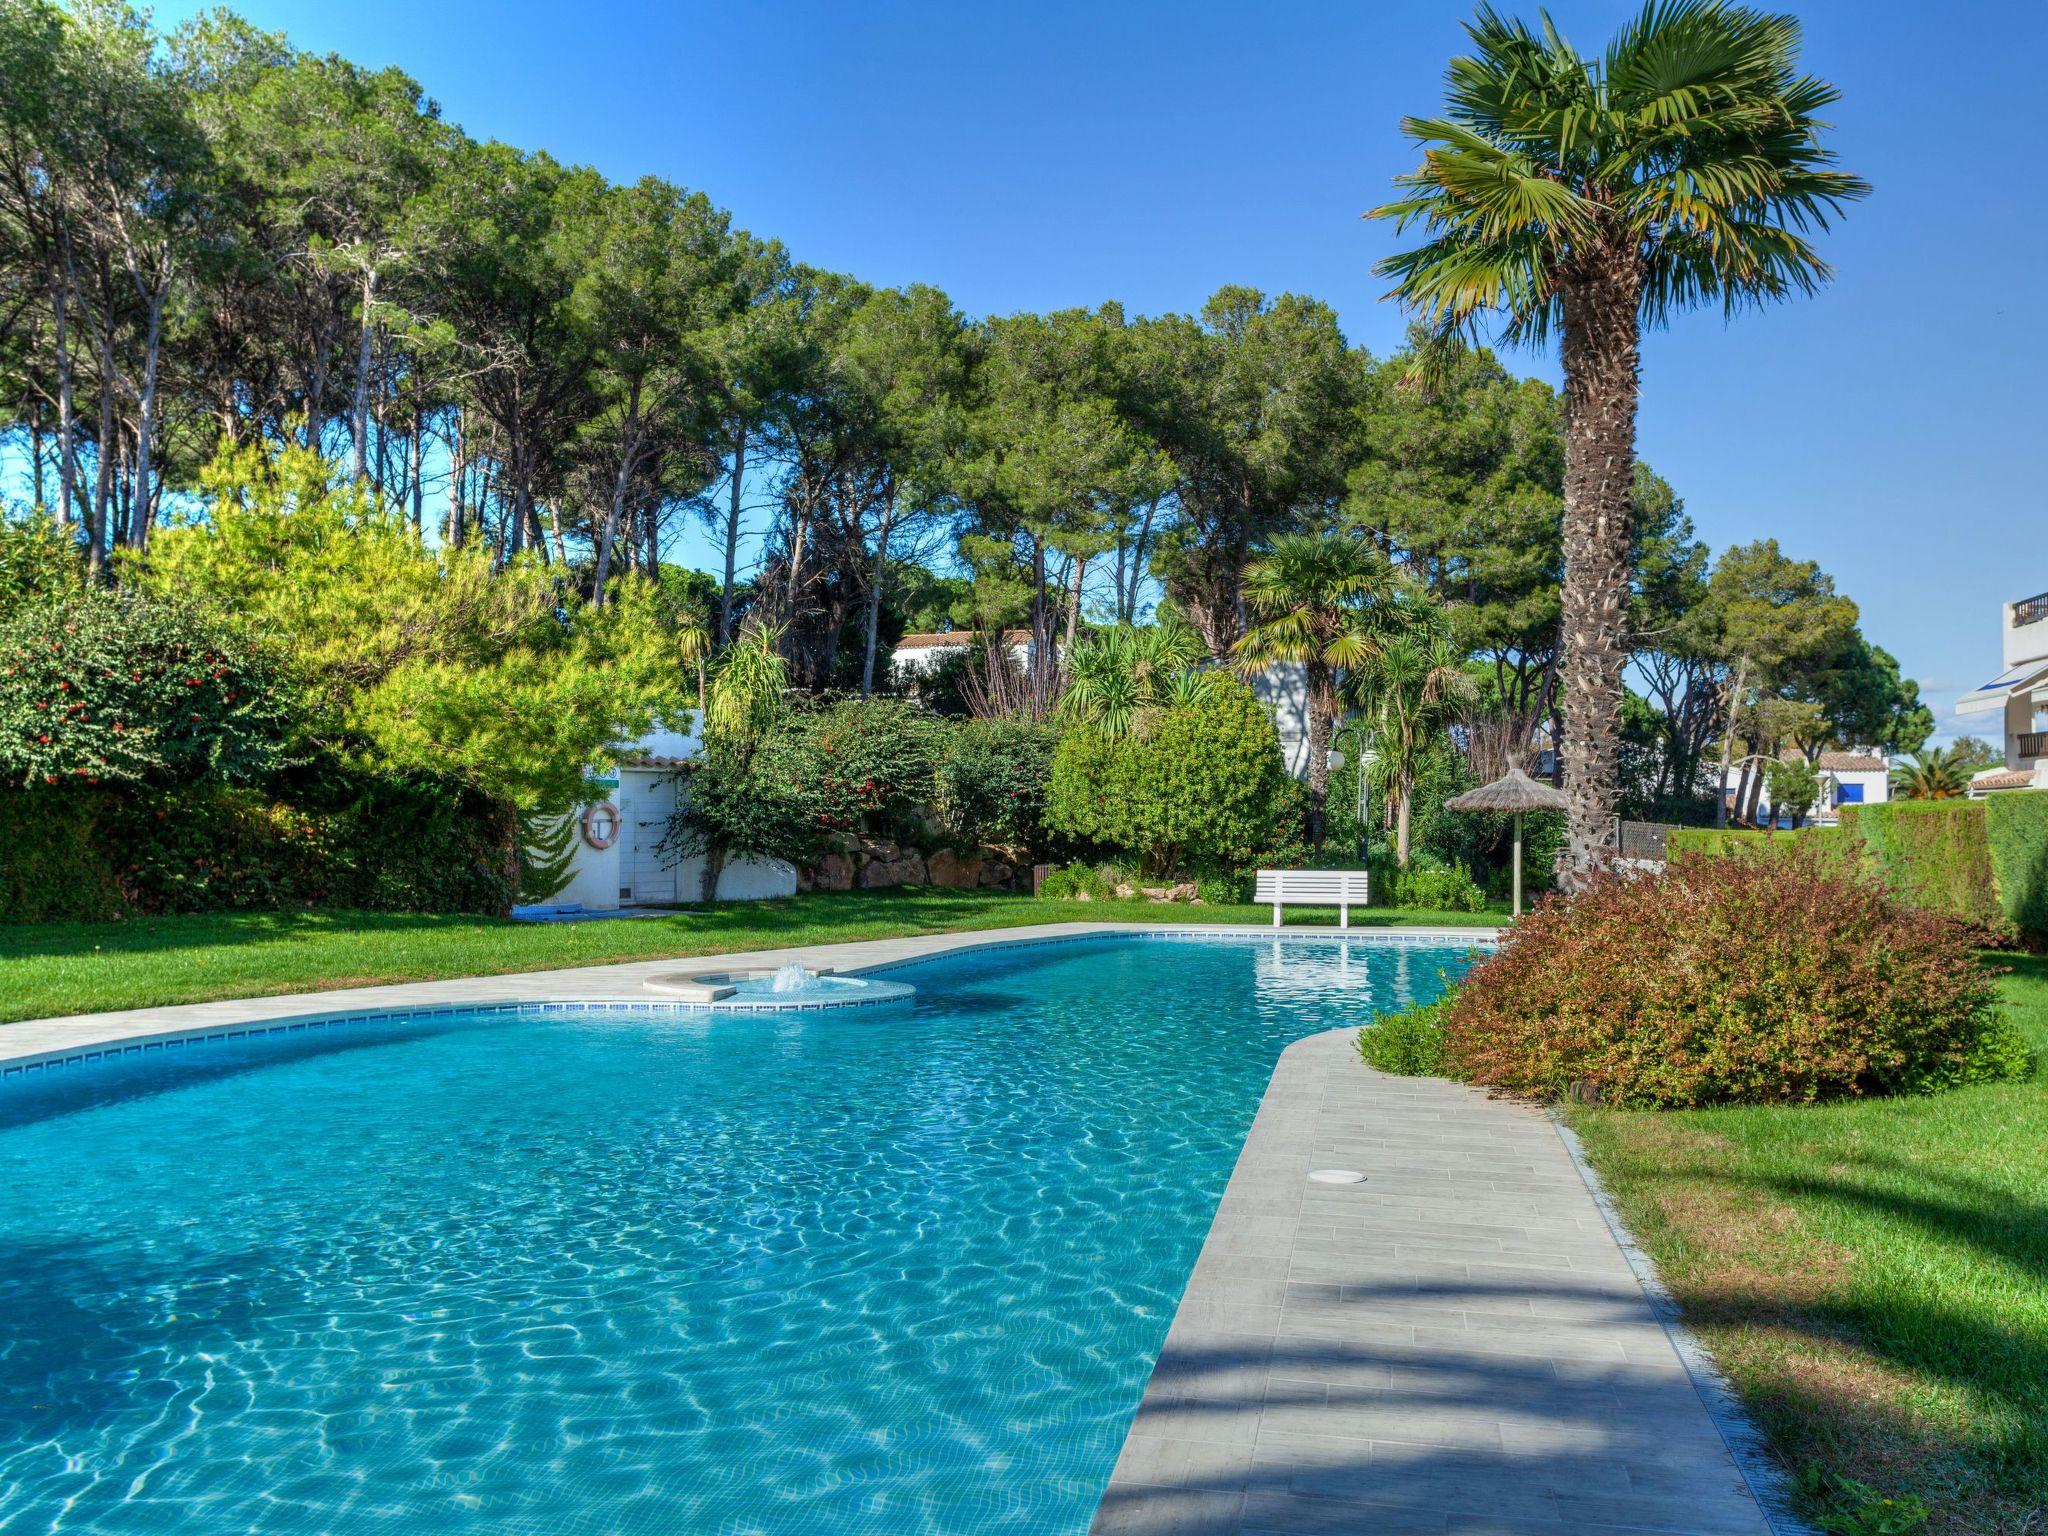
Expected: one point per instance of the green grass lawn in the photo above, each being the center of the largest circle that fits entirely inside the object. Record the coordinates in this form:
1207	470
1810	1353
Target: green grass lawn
83	968
1874	1279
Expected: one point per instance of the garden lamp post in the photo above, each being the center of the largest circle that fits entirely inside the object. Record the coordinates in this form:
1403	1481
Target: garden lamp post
1515	793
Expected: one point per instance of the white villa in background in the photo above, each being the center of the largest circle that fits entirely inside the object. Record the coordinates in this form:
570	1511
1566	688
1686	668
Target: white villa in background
1846	778
2019	695
918	655
1283	688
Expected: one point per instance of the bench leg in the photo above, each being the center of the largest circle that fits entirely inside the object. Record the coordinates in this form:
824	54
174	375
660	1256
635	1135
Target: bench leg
1276	914
1343	914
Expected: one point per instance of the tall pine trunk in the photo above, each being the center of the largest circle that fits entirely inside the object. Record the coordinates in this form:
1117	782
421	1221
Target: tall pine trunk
732	538
102	530
1601	376
629	456
67	434
359	414
458	468
414	452
145	426
867	667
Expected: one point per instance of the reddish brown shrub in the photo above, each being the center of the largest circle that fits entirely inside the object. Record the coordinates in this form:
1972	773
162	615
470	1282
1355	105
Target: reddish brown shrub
1736	980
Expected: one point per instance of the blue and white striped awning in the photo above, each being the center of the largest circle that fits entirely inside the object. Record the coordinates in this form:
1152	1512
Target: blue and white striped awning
2023	678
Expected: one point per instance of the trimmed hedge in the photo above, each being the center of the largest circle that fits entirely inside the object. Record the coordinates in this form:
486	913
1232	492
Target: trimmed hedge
1931	854
396	843
2016	831
1981	861
1829	842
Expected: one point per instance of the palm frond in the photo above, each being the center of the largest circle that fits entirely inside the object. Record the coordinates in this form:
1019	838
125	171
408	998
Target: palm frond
1692	146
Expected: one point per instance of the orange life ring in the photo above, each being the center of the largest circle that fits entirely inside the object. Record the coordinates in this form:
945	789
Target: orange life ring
601	825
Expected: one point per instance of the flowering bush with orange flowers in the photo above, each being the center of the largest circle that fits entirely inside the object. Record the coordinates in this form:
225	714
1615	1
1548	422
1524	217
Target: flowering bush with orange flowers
1736	980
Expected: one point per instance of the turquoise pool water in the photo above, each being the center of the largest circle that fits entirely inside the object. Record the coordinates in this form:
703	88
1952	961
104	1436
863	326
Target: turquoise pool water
885	1270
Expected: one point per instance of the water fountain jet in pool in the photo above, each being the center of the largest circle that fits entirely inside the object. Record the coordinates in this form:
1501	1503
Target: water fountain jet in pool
791	985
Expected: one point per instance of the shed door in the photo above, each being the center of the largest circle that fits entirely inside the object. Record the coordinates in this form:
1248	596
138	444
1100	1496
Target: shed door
646	801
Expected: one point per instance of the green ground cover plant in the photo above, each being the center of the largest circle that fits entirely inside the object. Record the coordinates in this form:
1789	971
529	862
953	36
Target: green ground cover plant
1410	1043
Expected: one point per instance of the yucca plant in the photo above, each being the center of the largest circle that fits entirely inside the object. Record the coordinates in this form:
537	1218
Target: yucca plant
746	692
1591	196
1320	602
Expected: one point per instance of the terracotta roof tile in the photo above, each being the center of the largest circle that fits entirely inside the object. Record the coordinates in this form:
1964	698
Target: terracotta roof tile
2005	778
952	637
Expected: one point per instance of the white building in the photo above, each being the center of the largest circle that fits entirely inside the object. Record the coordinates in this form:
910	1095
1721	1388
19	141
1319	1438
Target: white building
1283	688
619	860
918	655
1846	778
2019	696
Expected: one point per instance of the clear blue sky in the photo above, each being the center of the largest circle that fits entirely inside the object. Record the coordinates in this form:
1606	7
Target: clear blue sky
1035	156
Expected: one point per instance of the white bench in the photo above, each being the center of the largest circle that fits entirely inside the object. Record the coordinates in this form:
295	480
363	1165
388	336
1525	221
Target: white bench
1337	888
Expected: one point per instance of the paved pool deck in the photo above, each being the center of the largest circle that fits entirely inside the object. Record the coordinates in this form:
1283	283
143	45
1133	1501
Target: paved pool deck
1461	1343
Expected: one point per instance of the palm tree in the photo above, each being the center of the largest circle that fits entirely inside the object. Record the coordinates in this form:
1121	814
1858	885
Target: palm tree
1120	674
1942	773
1589	196
1410	692
1317	601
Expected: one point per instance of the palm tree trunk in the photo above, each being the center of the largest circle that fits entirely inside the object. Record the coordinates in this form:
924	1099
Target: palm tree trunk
1404	803
1322	712
1600	370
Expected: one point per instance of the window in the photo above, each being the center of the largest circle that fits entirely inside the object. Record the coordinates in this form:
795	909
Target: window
1848	794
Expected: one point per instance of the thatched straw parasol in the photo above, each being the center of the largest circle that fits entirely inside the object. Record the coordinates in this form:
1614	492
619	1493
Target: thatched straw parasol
1514	792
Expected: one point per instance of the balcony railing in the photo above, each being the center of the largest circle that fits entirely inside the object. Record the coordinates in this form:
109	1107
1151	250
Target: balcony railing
2030	610
2034	744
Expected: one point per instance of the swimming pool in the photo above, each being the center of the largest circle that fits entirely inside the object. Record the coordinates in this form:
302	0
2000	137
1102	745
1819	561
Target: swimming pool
886	1270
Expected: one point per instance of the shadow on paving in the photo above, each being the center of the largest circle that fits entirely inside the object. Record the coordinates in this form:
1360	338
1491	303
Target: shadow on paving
1302	1436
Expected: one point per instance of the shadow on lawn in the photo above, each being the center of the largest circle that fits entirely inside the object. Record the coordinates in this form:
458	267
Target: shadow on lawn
233	930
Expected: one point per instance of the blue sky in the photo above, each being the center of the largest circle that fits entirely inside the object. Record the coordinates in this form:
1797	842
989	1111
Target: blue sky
1030	157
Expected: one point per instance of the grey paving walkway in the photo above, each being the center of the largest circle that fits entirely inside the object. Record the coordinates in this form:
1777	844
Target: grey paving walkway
1455	1345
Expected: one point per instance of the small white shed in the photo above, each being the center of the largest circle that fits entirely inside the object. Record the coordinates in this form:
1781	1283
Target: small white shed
619	860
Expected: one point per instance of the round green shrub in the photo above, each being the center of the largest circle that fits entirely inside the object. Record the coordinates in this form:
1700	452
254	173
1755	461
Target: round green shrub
1436	888
1074	882
1731	981
1200	786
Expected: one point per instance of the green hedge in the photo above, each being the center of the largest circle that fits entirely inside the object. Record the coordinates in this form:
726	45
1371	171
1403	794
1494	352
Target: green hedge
1985	861
1716	842
1932	854
2016	828
326	838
